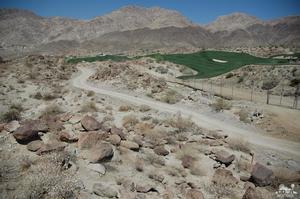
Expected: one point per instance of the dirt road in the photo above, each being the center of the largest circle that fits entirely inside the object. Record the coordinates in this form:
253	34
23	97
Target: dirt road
233	129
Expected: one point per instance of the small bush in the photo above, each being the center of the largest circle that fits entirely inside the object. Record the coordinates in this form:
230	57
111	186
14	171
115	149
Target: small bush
170	97
129	121
88	107
49	96
144	108
51	110
90	93
269	84
229	75
239	144
243	116
154	159
220	105
14	113
125	108
182	124
38	95
240	80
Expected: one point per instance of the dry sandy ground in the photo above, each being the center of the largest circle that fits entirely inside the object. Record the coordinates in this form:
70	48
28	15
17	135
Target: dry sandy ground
232	129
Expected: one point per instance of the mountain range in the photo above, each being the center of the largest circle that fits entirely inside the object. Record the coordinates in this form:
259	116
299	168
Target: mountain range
133	28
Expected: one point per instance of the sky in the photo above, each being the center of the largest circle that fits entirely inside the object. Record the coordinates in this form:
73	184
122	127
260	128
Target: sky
198	11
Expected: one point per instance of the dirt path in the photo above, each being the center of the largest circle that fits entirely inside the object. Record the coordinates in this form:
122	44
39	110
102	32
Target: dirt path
232	129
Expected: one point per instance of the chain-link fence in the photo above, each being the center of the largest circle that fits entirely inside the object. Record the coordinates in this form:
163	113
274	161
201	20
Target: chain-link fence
230	91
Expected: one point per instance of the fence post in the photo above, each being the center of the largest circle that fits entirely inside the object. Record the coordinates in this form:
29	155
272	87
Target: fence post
211	86
221	87
281	94
296	97
251	98
268	96
232	91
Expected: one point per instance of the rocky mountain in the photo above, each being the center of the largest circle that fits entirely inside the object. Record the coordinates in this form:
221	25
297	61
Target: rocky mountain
132	27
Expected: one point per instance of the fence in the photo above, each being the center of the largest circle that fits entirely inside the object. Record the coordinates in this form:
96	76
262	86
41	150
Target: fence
229	90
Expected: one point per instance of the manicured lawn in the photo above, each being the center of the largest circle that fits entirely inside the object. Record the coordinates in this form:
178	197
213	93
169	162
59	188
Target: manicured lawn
117	58
203	62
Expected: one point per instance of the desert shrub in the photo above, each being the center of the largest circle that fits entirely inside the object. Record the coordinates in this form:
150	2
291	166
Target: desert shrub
48	179
90	93
33	75
13	113
51	110
48	96
88	107
144	108
37	95
294	82
220	105
125	108
229	75
154	159
129	121
161	70
269	84
182	124
170	97
240	79
243	116
21	81
239	144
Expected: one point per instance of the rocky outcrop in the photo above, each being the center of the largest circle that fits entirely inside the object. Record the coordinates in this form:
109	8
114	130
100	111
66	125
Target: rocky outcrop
29	130
261	175
90	124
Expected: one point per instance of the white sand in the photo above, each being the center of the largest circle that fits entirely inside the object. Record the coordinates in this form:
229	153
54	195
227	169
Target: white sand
220	61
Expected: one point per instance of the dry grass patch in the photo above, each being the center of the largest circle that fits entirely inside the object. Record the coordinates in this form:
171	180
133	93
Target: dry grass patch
239	144
88	107
13	113
221	105
182	124
51	110
129	121
170	96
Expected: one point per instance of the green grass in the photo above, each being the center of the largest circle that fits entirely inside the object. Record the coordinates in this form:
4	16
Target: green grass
116	58
202	62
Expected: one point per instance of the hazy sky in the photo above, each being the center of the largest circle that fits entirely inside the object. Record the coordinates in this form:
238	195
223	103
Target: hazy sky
198	11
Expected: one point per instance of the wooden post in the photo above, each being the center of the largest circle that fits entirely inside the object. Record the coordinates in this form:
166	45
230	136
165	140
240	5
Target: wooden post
296	96
232	91
221	87
281	94
211	90
268	96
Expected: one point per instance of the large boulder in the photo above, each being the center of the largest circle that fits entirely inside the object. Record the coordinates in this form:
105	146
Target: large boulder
261	175
224	157
118	132
114	139
100	153
194	194
252	193
104	190
99	168
47	148
160	150
29	130
88	140
90	124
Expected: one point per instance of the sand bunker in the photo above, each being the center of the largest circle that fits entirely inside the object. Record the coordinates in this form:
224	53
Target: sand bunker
220	61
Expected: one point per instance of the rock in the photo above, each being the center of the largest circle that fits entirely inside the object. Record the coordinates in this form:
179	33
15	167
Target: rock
216	165
224	157
261	175
67	137
245	176
248	184
194	194
99	168
88	140
118	132
145	188
138	139
114	139
103	190
158	177
252	193
75	119
47	148
66	117
130	145
35	145
160	150
100	153
90	124
224	177
187	161
29	130
2	125
12	126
